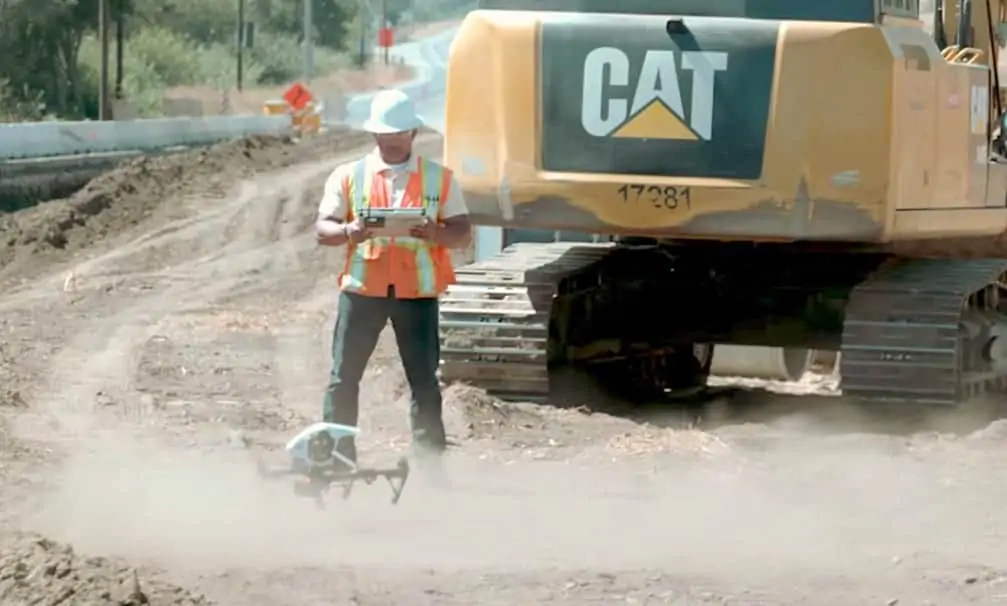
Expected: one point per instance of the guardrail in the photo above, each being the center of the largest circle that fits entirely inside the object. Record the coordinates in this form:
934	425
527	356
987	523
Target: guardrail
23	141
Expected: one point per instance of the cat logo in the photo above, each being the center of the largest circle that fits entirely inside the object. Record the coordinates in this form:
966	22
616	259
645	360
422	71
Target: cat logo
656	109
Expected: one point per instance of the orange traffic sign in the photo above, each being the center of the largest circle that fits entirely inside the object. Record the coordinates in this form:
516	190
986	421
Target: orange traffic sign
297	96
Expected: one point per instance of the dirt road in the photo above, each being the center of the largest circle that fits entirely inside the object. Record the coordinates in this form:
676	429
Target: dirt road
170	323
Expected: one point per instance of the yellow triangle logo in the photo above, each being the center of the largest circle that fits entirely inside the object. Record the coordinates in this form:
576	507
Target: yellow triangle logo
655	121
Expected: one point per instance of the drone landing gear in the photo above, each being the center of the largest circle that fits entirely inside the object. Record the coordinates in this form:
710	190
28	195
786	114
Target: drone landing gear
315	483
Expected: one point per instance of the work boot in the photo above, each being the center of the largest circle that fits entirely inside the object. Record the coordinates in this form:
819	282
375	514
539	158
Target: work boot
429	463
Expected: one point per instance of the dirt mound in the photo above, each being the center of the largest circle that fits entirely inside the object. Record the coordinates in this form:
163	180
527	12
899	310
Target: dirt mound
649	440
119	200
36	570
488	417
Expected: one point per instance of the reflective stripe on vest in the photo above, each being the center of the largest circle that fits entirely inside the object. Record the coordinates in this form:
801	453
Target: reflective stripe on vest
427	187
360	190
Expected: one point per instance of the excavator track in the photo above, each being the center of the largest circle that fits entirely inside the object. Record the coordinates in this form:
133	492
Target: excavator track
919	331
494	321
914	330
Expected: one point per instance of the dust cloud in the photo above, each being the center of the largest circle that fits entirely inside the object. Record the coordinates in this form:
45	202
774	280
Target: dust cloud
798	505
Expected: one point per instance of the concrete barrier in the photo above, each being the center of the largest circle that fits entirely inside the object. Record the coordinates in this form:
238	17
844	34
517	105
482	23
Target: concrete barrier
48	160
29	140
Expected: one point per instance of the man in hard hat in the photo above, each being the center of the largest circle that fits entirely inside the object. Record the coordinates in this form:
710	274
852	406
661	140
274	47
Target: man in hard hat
395	279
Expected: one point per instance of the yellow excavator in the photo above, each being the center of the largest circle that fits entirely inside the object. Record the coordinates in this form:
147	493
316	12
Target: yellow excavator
675	174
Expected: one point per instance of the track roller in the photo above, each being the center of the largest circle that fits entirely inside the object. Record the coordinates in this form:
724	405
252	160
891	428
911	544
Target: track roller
495	322
926	331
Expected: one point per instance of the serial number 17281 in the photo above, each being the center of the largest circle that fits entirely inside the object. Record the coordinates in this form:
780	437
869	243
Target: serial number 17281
666	197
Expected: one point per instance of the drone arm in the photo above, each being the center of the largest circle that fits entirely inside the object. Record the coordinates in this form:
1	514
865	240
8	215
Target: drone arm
319	480
400	473
396	489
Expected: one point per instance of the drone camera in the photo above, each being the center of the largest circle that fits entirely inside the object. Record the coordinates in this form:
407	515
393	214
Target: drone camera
320	447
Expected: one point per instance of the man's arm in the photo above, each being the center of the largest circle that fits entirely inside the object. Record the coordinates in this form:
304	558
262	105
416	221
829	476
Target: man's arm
330	228
456	228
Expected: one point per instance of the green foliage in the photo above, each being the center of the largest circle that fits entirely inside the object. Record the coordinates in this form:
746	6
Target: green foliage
218	66
50	56
39	44
142	84
280	59
170	54
330	18
205	21
20	105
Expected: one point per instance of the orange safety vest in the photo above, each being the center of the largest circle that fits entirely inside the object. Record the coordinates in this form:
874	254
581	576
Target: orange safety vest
416	268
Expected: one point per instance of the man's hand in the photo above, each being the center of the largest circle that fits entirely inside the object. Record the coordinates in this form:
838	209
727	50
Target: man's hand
453	233
329	232
428	231
356	232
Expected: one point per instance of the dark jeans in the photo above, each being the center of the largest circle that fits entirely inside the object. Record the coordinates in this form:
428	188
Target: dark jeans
359	321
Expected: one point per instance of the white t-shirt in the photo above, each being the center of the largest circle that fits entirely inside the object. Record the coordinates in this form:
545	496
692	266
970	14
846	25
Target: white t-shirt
334	204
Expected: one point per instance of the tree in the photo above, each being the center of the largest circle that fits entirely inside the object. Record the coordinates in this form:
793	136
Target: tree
168	43
398	10
202	21
330	19
40	44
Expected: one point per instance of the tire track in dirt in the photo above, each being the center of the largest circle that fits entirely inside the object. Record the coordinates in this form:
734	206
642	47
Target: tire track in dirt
273	264
260	231
189	242
203	267
88	411
94	371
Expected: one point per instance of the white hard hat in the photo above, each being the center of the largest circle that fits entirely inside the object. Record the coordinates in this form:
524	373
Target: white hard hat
392	111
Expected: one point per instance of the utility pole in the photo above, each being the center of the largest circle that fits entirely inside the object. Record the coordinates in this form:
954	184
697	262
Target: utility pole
120	37
241	40
363	35
384	25
104	107
309	42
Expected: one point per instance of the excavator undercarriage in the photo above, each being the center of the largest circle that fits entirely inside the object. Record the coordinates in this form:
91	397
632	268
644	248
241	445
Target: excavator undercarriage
641	317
